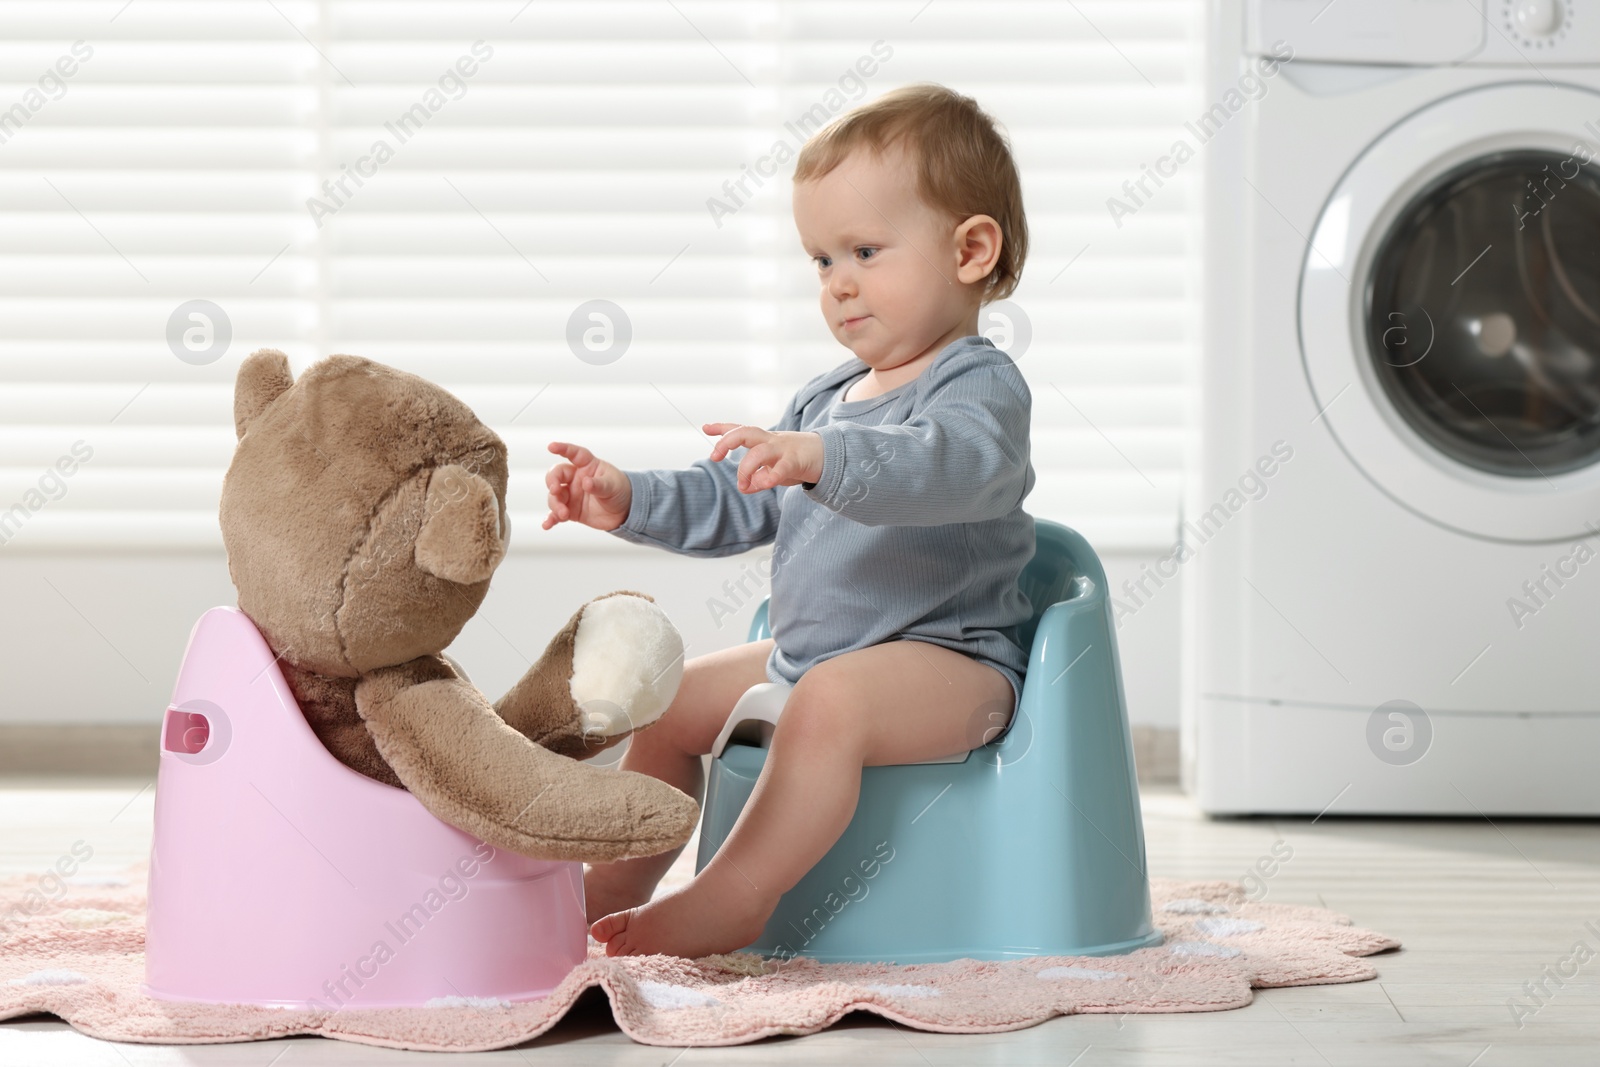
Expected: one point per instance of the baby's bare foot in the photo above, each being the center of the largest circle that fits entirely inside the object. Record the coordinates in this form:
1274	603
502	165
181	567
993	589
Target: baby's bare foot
605	891
697	920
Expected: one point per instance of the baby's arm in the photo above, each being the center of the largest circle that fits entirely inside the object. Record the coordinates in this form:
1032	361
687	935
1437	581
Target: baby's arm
962	458
712	508
699	511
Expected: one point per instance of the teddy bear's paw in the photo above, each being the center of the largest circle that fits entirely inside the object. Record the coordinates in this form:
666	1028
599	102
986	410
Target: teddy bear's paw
627	661
601	718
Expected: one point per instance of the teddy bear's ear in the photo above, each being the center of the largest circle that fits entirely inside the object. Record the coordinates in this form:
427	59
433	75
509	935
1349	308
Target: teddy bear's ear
263	377
461	539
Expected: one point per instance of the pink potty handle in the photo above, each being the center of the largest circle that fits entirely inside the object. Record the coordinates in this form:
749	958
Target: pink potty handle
280	877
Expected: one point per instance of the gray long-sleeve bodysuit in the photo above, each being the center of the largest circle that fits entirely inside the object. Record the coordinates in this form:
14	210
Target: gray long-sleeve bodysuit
914	529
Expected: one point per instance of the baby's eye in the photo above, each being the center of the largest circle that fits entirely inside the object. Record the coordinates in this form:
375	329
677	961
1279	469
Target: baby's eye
822	262
865	253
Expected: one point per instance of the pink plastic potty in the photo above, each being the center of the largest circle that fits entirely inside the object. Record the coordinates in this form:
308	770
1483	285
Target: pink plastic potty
280	877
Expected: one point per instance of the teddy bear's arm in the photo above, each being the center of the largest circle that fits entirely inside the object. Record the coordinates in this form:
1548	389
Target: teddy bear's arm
473	771
613	668
541	706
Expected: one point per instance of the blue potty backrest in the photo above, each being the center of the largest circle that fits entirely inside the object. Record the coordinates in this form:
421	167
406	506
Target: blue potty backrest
1058	560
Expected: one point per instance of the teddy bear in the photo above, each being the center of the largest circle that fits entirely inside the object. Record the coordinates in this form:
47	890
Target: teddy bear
363	514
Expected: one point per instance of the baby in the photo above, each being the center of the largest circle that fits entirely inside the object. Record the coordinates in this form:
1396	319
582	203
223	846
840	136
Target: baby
891	490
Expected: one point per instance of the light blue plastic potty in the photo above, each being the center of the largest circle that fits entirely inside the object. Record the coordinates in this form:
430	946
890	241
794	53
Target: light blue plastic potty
1031	845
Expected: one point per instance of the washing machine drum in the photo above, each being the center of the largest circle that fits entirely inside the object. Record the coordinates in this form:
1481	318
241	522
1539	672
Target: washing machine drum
1449	313
1483	314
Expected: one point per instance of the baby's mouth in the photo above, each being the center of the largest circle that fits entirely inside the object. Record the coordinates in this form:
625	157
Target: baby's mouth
852	323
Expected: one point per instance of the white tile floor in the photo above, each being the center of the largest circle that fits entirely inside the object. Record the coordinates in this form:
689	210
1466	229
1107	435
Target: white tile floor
1482	908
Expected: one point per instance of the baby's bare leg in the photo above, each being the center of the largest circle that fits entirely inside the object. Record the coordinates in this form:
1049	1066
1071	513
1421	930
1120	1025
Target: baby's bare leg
898	702
670	749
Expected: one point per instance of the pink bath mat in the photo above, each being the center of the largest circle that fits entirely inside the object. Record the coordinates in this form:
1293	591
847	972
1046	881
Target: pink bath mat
82	958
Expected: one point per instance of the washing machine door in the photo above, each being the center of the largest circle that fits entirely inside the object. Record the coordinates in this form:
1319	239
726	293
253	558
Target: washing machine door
1450	313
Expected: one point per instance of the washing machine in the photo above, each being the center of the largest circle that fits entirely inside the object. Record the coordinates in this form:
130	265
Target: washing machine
1390	540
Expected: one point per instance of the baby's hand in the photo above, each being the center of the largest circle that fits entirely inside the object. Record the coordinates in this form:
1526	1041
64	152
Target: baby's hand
587	489
775	457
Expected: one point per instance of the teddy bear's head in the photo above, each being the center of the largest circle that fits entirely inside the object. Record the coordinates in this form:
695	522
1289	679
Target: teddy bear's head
363	514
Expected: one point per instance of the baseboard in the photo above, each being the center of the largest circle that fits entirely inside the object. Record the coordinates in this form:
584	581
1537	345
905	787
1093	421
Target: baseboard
1155	753
106	749
79	749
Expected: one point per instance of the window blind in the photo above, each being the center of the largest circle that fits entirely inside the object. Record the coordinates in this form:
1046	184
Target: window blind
208	179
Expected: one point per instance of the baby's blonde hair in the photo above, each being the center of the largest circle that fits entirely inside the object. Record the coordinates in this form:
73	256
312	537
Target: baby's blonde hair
963	161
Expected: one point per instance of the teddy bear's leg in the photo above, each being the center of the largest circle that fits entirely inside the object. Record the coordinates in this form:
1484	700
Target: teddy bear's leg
476	773
613	668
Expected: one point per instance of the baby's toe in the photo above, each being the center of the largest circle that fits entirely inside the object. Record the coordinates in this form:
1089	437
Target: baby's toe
609	926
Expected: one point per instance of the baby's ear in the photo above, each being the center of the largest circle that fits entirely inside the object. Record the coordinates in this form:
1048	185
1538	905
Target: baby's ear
461	539
263	377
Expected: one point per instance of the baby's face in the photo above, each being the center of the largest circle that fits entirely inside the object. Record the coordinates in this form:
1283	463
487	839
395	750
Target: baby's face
887	261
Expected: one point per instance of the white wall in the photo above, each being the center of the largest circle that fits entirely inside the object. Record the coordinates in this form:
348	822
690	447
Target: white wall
97	638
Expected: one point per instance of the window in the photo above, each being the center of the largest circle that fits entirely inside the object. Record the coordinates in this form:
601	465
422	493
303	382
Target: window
444	186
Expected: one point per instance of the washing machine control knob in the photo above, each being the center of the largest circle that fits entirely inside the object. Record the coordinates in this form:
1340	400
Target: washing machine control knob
1537	18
